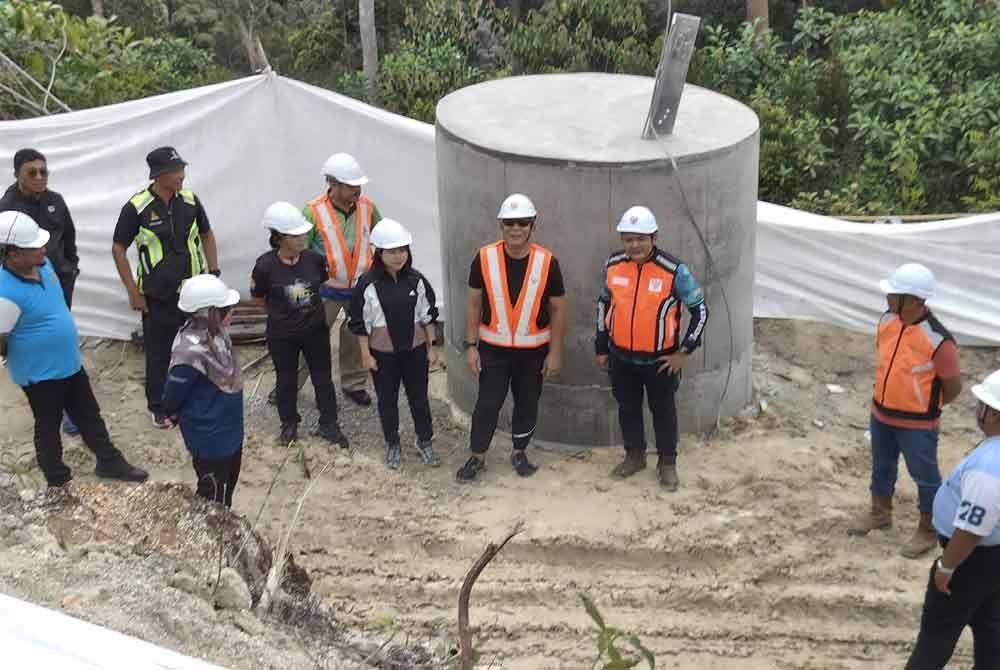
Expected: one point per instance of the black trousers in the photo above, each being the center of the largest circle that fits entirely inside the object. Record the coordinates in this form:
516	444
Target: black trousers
974	602
410	368
315	348
628	383
518	371
160	324
217	479
74	396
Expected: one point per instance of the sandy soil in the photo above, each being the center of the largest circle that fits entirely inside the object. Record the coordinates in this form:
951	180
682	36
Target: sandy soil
747	566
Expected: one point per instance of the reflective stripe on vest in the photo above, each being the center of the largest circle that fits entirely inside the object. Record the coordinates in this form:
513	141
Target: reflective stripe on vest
346	267
148	245
907	385
503	312
644	315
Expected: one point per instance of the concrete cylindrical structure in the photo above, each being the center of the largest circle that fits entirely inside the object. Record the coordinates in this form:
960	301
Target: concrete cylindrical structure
573	144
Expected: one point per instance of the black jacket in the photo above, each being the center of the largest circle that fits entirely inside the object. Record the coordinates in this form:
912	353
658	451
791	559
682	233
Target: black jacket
51	213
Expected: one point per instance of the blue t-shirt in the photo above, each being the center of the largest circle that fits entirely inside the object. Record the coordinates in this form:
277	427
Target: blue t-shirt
970	498
43	343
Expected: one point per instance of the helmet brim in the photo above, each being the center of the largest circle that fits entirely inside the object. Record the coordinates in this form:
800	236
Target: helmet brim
984	395
299	230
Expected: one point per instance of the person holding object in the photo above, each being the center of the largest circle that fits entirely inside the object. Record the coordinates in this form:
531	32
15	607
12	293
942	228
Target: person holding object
41	346
513	338
918	374
964	585
638	339
31	195
392	313
287	280
204	388
170	229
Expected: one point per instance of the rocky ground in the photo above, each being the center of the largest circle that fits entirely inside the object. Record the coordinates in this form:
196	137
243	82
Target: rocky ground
747	566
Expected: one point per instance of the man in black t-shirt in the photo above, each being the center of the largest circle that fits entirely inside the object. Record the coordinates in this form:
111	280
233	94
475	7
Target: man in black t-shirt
513	338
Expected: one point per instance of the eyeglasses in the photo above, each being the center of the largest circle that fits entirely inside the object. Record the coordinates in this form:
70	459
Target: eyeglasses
37	172
520	223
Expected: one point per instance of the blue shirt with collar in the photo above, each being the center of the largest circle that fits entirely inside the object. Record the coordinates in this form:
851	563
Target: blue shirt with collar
43	343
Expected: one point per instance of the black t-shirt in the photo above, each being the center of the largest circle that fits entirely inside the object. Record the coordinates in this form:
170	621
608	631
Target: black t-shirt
517	268
292	297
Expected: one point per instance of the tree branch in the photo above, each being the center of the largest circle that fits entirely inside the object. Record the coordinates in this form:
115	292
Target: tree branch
55	64
17	68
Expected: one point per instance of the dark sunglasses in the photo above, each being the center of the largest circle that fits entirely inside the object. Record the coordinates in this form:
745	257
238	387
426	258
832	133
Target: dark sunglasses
520	223
37	172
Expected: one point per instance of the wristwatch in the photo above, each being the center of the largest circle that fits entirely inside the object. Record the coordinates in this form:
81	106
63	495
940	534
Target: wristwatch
468	345
217	273
943	570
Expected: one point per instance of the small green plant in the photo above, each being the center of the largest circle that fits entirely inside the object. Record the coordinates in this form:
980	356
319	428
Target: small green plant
608	655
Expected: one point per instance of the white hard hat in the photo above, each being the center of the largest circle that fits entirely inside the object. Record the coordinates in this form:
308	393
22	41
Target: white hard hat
637	219
989	390
517	206
203	291
285	218
910	279
344	169
390	234
20	230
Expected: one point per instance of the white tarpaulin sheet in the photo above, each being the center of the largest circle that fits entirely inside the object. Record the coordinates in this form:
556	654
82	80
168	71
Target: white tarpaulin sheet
255	140
36	637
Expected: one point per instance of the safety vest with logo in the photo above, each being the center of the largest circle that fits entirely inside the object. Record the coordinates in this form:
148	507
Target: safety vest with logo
346	265
514	325
907	385
149	245
644	315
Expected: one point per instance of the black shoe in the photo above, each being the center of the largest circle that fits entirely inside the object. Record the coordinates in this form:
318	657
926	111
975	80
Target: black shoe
393	456
289	433
122	470
360	397
427	454
470	471
522	465
272	397
332	433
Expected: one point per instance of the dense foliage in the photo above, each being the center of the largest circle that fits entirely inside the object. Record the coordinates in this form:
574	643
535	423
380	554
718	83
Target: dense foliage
867	106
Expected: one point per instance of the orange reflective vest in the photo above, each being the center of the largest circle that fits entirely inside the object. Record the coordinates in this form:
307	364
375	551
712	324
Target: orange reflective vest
644	315
346	265
514	325
907	385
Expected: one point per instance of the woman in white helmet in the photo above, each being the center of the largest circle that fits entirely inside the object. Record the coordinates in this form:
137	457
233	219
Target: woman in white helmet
393	312
204	387
287	281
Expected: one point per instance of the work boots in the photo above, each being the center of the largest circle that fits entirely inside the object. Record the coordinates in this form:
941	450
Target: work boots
879	517
667	474
924	538
635	460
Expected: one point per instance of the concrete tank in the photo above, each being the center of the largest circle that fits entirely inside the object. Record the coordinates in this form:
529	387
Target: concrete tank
572	143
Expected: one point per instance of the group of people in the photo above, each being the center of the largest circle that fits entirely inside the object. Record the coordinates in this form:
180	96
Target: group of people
338	257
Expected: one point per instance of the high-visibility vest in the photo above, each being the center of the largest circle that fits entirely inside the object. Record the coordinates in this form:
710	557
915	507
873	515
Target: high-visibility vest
149	246
907	385
514	325
644	315
346	265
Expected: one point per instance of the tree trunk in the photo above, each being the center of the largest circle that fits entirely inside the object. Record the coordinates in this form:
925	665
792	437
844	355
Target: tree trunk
97	7
252	47
369	47
757	11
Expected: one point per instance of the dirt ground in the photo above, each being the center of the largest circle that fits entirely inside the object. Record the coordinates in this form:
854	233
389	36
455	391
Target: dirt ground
748	566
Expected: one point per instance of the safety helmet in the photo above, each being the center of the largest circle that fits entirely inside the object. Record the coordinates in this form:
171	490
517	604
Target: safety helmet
20	230
345	169
989	390
390	234
637	219
517	206
910	279
206	290
285	218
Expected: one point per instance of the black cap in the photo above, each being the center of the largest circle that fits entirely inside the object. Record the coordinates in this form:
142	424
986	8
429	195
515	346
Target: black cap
163	159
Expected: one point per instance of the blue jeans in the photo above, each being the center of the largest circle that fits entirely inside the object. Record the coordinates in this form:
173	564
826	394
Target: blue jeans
919	448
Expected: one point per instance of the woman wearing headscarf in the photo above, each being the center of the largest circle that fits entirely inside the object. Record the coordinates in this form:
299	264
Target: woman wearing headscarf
287	281
204	387
392	312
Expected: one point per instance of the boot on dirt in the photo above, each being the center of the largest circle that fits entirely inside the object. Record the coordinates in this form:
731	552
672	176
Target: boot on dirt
470	471
393	456
667	474
289	433
331	433
635	460
879	517
427	454
522	466
924	538
121	470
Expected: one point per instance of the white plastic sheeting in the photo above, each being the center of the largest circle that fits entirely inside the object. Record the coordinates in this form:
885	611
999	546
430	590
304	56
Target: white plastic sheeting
36	637
822	269
259	139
